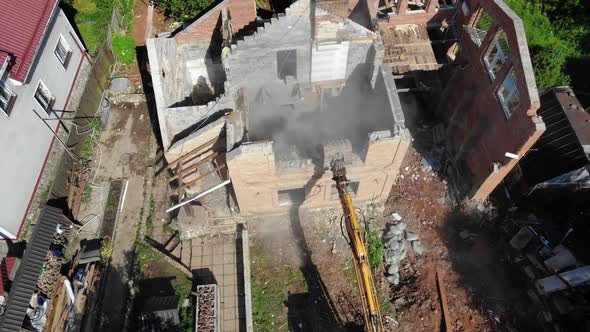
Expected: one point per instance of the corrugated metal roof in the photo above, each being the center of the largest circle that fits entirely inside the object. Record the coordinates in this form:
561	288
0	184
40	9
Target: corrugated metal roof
28	273
22	26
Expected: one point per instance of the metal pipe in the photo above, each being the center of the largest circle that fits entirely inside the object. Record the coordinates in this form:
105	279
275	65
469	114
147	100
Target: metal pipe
210	190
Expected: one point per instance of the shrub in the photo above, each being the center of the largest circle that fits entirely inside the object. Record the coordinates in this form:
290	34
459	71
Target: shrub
548	64
124	48
182	10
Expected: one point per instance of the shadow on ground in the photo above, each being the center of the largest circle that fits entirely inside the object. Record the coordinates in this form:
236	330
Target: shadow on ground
477	253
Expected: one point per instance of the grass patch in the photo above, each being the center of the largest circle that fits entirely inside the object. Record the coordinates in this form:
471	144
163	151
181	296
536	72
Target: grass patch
270	284
90	36
87	194
85	6
88	149
146	259
124	48
149	221
92	18
375	249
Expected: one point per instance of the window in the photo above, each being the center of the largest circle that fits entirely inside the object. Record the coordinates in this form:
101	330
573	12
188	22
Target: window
287	63
508	94
63	51
44	97
7	98
496	55
479	30
351	188
446	4
291	196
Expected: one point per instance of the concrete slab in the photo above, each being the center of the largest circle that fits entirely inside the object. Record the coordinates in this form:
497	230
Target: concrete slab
218	256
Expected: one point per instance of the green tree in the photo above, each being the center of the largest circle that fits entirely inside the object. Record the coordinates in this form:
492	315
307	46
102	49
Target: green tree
548	64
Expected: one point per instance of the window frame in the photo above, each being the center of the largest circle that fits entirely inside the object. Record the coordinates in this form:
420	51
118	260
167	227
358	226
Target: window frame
44	89
500	55
505	102
68	55
11	98
291	202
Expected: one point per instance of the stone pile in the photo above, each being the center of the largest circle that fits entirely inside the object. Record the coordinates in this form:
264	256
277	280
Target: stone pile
395	242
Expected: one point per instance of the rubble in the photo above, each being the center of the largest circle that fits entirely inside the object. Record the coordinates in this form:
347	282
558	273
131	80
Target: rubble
207	308
395	240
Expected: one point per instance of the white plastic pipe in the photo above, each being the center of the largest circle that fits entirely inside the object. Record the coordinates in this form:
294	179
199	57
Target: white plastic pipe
124	194
210	190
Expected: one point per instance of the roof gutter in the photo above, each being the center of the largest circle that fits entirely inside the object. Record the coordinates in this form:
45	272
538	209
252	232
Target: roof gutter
52	17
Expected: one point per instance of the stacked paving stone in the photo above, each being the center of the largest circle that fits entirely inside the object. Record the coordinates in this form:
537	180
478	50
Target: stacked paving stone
395	240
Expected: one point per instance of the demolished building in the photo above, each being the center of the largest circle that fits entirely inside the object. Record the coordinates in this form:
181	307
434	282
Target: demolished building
270	104
272	110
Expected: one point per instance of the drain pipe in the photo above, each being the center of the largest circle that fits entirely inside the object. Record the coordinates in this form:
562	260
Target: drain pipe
210	190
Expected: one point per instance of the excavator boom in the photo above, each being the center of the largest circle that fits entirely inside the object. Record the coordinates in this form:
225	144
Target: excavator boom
364	275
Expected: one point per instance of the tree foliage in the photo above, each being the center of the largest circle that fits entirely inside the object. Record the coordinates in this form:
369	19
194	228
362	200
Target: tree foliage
182	10
558	33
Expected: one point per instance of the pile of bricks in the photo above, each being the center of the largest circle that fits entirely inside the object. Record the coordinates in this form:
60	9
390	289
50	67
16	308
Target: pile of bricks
207	308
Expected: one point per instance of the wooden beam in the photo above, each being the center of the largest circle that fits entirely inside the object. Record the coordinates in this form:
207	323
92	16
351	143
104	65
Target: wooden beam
195	151
443	300
201	177
189	170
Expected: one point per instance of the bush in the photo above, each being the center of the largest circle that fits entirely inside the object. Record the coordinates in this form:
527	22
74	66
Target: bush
375	248
182	10
124	48
548	64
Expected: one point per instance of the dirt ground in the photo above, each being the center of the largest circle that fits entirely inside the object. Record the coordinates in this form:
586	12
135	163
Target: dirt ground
126	150
316	288
482	293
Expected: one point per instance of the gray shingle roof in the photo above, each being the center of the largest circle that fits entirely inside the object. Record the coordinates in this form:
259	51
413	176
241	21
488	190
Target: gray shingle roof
25	281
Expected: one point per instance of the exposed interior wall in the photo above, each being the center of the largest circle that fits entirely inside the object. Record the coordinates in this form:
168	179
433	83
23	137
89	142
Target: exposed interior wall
292	125
162	58
480	132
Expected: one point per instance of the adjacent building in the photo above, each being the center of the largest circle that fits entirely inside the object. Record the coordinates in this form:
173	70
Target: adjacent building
40	59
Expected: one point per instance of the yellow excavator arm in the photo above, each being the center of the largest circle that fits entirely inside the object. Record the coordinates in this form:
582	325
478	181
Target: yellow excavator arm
360	257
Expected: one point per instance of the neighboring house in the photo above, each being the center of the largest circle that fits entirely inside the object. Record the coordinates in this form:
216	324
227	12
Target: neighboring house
565	145
40	58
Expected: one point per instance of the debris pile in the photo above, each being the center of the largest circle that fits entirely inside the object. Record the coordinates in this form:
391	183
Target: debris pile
207	308
395	239
192	221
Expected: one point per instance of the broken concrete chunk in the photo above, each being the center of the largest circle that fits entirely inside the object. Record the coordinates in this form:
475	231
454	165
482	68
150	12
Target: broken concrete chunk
393	279
418	247
522	238
562	259
411	236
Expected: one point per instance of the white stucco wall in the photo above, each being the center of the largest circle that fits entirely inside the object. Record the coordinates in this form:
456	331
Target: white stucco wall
25	140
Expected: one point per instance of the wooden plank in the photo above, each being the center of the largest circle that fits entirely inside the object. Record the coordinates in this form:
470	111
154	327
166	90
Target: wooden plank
195	151
189	170
218	168
443	300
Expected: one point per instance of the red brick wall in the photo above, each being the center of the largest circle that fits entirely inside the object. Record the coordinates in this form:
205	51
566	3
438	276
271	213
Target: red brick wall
242	13
480	132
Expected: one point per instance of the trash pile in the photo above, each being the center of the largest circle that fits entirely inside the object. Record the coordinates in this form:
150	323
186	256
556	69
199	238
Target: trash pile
395	240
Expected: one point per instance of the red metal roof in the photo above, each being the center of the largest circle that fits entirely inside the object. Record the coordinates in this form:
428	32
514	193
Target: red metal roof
22	25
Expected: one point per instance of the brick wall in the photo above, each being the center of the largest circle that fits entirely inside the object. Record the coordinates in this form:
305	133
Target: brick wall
480	133
242	13
256	180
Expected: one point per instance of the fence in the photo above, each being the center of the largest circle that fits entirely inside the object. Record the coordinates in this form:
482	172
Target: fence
83	124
